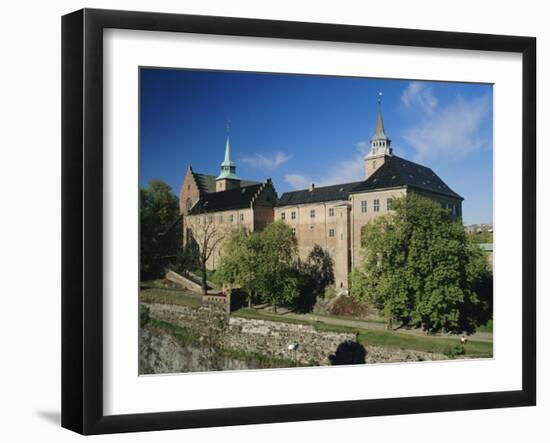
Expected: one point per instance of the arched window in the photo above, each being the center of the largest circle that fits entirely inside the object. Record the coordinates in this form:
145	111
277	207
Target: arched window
188	204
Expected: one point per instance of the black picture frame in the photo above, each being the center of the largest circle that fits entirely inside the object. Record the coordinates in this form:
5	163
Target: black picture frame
82	218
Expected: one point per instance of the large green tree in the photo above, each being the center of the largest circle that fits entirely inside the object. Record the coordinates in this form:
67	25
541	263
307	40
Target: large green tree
263	264
241	253
160	232
419	268
278	280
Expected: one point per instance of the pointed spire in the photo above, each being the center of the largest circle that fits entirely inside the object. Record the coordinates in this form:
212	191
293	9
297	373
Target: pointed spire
227	158
380	133
380	142
228	166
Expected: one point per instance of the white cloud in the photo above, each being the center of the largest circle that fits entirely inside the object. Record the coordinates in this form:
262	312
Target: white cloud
453	131
265	161
363	146
297	181
344	171
421	95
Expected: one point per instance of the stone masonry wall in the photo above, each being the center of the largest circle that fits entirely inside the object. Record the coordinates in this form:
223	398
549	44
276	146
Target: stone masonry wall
260	336
273	338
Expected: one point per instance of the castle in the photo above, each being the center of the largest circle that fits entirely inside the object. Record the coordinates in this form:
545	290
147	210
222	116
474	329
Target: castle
328	216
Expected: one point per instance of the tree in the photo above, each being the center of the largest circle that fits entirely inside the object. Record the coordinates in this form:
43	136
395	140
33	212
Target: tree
188	257
420	269
160	237
317	272
241	253
277	279
208	237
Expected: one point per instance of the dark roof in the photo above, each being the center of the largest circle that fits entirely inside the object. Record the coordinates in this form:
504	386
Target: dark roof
321	194
207	183
237	198
398	172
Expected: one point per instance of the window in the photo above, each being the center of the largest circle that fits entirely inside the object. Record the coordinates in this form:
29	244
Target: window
283	216
454	209
331	212
293	231
231	218
331	232
293	215
363	206
241	217
221	218
376	205
312	213
389	204
209	219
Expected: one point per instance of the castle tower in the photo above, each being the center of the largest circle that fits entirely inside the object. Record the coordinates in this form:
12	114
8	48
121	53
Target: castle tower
227	179
380	144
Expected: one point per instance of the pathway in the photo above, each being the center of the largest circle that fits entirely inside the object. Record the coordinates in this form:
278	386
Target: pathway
365	324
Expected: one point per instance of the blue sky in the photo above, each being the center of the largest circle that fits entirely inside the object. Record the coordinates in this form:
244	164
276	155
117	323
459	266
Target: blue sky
297	129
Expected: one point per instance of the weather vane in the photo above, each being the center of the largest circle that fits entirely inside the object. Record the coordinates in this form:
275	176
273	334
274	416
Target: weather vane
379	97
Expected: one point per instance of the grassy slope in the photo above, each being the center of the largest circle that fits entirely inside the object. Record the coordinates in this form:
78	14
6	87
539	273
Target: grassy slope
168	297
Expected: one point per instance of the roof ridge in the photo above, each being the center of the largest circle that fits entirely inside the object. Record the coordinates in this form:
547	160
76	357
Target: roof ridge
324	187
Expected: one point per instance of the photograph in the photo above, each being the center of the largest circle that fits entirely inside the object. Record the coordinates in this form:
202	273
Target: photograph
292	220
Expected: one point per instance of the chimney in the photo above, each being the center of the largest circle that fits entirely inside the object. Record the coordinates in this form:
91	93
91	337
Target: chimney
311	187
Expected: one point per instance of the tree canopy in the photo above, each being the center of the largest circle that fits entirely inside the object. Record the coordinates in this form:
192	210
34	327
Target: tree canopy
160	233
316	272
419	268
241	251
263	263
278	281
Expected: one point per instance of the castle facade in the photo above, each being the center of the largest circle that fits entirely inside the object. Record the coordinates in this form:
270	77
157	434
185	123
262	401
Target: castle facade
329	216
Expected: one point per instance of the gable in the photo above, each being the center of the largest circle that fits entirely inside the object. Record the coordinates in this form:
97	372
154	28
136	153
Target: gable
238	198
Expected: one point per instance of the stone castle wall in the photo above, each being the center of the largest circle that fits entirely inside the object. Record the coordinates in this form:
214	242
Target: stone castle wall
255	336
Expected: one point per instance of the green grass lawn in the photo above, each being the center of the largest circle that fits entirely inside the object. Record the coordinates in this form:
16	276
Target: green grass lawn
168	297
372	319
443	345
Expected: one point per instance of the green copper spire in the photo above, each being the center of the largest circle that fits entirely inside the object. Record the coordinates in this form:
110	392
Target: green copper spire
228	166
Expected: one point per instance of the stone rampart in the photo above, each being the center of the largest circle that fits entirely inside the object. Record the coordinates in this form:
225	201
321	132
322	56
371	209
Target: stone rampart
265	337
